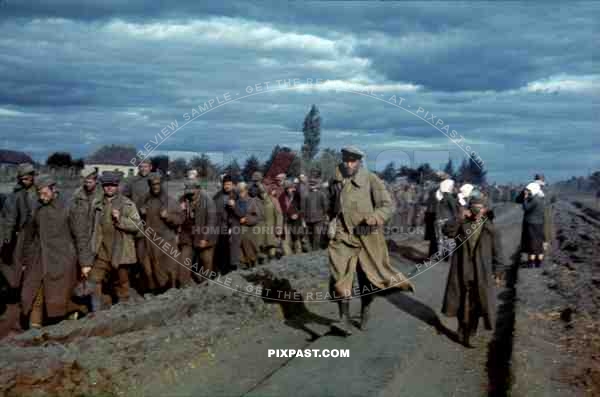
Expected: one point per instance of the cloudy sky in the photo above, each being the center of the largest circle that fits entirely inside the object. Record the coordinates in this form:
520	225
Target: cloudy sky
517	83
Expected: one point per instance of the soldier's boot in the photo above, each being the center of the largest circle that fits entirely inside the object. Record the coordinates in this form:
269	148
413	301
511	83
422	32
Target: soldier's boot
464	334
344	325
365	311
97	299
37	310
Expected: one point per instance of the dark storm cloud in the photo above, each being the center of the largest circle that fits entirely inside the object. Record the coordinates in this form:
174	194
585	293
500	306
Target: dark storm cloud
517	82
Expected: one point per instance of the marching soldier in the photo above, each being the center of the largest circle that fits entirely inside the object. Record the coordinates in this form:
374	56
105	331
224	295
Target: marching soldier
18	219
82	215
115	225
315	205
197	231
228	248
137	188
163	216
49	259
476	266
359	207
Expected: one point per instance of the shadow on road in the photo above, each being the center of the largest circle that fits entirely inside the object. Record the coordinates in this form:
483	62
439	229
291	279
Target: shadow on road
421	311
294	311
501	346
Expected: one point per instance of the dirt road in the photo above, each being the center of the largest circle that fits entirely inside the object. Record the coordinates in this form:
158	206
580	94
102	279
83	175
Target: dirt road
402	353
213	341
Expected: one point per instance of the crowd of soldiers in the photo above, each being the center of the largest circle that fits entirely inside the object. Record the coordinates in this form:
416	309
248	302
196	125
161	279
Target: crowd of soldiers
115	240
113	236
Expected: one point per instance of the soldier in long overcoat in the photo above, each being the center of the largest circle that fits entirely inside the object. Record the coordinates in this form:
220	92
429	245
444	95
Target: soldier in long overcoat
137	188
272	226
360	206
228	240
163	216
81	212
196	233
250	211
477	264
50	258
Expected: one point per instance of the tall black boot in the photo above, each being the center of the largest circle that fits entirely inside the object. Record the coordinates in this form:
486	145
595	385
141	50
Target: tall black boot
344	325
365	311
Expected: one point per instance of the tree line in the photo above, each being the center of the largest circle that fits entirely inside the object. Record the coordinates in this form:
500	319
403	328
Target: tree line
310	160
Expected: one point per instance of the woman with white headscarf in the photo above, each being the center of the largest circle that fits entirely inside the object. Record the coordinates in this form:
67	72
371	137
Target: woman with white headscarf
464	193
533	234
442	207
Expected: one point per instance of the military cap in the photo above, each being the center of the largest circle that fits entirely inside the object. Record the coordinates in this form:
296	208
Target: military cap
312	182
257	176
153	177
87	172
442	175
477	198
191	185
44	181
25	169
110	178
287	184
352	152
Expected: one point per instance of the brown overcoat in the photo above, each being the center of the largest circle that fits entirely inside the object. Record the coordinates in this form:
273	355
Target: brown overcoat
161	242
361	196
82	222
50	258
128	225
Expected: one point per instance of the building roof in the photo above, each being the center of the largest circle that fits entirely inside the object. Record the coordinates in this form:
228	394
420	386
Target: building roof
14	157
112	155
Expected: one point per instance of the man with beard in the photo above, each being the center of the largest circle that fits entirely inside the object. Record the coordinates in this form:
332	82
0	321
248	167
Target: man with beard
476	265
49	259
82	215
137	188
115	225
228	249
359	207
163	217
199	220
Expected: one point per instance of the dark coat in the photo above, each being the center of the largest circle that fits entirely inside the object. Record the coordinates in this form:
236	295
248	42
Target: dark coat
447	208
18	218
225	215
82	223
199	221
136	188
50	258
291	207
161	237
478	268
315	206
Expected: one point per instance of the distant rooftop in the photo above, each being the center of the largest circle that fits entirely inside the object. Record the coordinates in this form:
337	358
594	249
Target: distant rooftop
112	155
14	157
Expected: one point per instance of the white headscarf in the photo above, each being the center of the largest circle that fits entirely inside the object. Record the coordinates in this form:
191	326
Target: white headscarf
534	188
541	183
465	192
446	186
